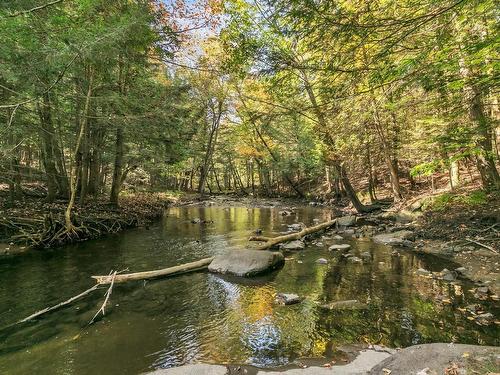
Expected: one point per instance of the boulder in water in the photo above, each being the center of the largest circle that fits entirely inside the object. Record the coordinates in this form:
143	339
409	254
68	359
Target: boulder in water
343	246
246	263
346	221
287	298
394	238
294	245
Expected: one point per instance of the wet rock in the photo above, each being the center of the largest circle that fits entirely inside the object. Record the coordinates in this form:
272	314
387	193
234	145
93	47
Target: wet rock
446	275
316	221
346	221
294	245
482	292
394	238
342	246
471	308
408	243
344	305
200	368
348	255
423	272
337	237
322	261
354	259
258	231
295	227
196	220
461	270
485	319
366	257
287	298
349	231
319	244
285	213
246	263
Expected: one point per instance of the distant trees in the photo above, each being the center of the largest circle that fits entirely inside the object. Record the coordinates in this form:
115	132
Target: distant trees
283	97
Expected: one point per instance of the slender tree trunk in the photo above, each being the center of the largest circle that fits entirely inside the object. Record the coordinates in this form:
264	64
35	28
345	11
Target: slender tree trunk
47	136
396	187
485	160
118	166
74	173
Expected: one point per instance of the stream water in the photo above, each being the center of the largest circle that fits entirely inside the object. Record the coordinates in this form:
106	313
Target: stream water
205	317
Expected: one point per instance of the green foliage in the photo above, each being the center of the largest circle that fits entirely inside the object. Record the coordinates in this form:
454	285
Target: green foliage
446	200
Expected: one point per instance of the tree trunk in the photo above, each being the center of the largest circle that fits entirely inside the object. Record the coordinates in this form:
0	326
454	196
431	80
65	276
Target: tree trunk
47	136
484	160
74	173
118	166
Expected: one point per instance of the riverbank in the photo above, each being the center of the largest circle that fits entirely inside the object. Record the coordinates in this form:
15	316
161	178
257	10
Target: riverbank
427	359
34	223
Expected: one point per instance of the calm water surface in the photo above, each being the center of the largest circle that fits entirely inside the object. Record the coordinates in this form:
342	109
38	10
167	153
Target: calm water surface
204	317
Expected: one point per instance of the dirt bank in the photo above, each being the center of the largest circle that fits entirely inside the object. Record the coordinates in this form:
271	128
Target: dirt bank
31	222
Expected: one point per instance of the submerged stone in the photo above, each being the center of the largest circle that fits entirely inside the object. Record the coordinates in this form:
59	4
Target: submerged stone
346	221
295	227
246	263
341	305
322	261
287	298
423	272
294	245
354	259
394	238
339	247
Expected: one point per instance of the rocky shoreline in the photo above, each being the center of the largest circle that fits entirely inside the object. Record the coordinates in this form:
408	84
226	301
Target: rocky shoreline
425	359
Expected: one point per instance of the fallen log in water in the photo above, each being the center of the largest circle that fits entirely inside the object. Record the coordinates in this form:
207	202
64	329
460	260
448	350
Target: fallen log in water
171	271
270	242
59	305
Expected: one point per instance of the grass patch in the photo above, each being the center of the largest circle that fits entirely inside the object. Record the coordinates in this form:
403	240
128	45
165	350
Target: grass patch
445	200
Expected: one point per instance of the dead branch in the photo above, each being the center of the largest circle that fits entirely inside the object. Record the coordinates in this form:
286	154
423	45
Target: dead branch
59	305
294	236
106	299
482	245
171	271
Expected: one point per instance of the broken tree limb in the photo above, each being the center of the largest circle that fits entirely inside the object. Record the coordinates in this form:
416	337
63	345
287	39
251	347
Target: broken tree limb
106	299
482	245
171	271
270	242
59	305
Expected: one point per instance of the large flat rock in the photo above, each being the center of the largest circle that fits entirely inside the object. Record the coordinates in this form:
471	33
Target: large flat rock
433	358
246	263
200	368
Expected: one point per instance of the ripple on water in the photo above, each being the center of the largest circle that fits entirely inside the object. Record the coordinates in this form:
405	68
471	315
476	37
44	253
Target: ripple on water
205	317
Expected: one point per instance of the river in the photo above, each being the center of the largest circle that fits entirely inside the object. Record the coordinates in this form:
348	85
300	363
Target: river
205	317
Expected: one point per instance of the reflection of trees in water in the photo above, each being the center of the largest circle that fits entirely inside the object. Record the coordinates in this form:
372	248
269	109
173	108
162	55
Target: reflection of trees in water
403	309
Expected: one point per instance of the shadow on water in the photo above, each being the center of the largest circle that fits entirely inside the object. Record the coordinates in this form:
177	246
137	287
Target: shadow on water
205	317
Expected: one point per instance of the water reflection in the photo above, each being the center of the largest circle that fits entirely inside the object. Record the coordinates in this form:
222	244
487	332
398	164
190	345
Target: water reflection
204	317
